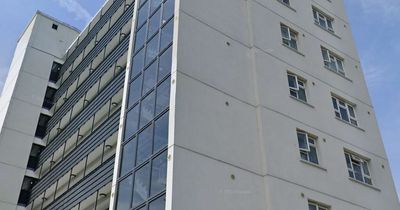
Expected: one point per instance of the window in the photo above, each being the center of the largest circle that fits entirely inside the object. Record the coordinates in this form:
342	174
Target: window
54	26
323	20
289	37
317	206
287	2
297	87
344	111
332	61
358	168
308	147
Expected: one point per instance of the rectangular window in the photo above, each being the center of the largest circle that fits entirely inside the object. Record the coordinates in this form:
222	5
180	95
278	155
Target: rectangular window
317	206
332	61
289	37
323	20
358	168
308	147
344	111
297	87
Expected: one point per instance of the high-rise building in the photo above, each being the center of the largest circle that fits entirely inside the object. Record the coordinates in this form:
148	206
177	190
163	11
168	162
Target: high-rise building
192	105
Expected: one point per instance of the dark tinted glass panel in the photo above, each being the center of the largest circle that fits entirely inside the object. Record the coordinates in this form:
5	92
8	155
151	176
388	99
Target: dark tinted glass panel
168	9
138	63
165	64
152	49
150	77
141	185
147	110
163	91
143	14
154	23
312	207
145	142
158	204
140	38
313	155
302	140
124	193
159	174
131	125
166	34
135	91
128	157
161	132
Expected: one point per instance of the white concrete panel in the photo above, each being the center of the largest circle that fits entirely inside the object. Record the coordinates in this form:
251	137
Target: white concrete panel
38	63
10	185
12	141
226	16
25	123
201	183
212	61
30	89
205	124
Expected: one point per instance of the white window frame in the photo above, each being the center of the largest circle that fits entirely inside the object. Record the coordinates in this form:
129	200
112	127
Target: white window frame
320	16
318	206
350	110
309	145
332	59
292	36
299	86
361	162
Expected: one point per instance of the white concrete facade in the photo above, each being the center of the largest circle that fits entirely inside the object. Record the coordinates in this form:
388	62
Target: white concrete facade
22	98
232	140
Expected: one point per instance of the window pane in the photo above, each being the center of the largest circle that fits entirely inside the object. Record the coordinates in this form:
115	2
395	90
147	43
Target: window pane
285	32
159	174
131	124
140	38
303	144
365	168
158	204
128	157
150	77
165	64
145	141
163	91
138	63
124	193
302	94
141	185
351	111
154	5
357	172
304	155
312	207
135	90
147	109
343	114
334	101
348	161
161	132
166	34
168	10
143	14
154	23
313	155
293	93
292	81
152	49
325	54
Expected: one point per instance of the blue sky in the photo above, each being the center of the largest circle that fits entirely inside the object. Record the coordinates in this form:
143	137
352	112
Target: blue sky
375	25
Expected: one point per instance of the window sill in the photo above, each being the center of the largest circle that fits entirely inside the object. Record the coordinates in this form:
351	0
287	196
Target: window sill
288	6
354	126
313	164
362	183
294	50
331	32
333	71
301	101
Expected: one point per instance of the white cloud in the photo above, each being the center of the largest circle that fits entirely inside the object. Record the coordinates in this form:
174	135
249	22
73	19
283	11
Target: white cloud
74	7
